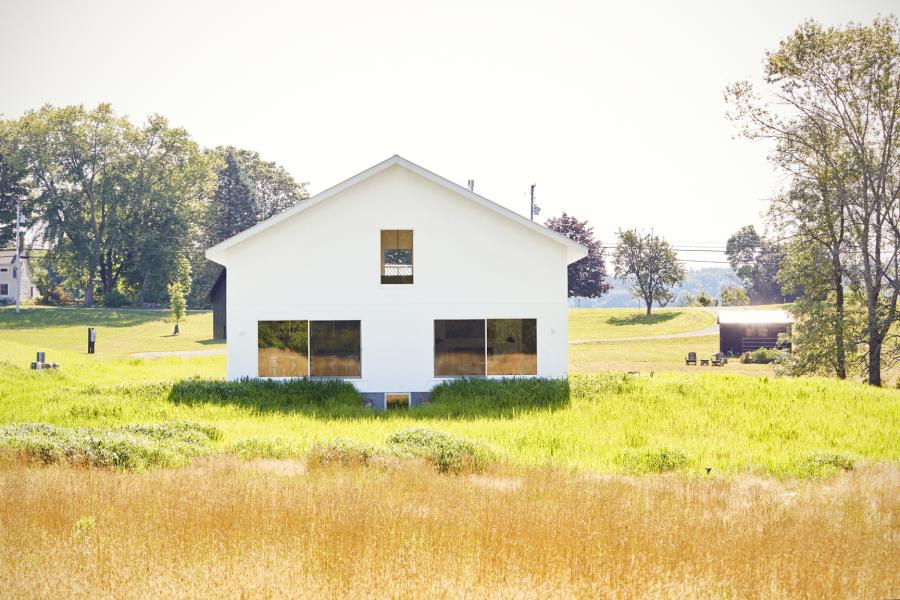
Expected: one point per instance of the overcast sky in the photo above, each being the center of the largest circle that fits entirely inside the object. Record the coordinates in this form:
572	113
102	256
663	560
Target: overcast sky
615	110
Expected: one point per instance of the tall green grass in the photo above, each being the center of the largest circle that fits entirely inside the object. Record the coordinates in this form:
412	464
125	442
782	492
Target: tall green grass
610	423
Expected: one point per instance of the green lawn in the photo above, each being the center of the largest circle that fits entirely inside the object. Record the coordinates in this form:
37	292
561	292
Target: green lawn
714	417
603	323
119	331
654	355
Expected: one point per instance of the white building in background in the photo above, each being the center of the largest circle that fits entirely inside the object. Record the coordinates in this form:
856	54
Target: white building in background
396	280
8	283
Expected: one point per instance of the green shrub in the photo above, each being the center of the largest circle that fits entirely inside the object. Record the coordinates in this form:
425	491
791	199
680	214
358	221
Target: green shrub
265	447
339	452
55	296
128	447
115	299
447	452
761	356
463	397
822	463
659	460
268	394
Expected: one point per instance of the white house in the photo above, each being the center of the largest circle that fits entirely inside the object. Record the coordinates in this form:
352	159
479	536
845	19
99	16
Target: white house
8	283
396	280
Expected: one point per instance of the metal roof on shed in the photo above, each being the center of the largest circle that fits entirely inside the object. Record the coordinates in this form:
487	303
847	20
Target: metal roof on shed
753	317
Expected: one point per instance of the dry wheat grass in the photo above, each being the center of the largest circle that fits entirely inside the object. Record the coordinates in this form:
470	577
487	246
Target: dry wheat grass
227	528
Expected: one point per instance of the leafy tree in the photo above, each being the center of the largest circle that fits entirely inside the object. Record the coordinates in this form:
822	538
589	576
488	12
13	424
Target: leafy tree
705	299
755	261
177	302
117	202
837	92
733	295
650	263
13	187
587	277
249	190
817	267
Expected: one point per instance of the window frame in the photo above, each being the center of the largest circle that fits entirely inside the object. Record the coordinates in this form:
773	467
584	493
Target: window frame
381	264
408	395
4	285
310	342
309	374
485	375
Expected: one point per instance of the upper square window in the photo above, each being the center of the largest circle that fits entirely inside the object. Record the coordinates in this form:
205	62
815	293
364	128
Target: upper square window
396	256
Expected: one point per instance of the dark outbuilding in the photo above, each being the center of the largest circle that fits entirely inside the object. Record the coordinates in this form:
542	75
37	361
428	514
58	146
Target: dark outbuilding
747	330
216	297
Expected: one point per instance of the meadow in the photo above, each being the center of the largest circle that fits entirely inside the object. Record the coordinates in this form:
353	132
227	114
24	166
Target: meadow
601	421
589	323
671	481
231	528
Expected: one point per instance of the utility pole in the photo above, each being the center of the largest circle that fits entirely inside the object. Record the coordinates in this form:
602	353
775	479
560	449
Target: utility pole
531	212
16	274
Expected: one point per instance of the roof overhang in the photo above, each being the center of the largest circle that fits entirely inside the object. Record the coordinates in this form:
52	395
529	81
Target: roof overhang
218	253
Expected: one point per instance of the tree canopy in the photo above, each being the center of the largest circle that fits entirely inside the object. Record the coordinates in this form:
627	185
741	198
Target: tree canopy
125	210
832	109
650	263
587	277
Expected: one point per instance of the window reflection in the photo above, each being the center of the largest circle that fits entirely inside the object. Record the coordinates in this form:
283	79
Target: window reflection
459	347
334	349
396	256
283	348
512	347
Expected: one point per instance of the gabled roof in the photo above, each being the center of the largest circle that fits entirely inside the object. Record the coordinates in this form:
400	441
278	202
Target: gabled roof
755	317
575	251
8	256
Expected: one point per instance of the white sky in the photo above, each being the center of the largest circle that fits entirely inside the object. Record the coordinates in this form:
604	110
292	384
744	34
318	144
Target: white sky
615	110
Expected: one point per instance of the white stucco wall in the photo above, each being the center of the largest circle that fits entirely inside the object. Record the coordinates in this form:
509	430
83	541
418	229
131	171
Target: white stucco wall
324	263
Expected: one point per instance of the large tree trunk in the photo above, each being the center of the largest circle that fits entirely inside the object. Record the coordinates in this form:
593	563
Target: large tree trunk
874	360
89	292
145	284
839	343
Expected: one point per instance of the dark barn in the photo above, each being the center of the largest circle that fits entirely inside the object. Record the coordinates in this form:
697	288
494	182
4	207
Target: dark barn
747	330
217	299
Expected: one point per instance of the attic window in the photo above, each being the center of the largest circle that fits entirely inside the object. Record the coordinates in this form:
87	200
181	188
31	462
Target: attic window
396	256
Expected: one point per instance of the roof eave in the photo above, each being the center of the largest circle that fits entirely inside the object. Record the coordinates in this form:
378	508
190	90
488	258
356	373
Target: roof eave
575	251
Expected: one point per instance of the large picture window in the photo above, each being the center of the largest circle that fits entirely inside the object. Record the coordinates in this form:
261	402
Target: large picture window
309	348
334	349
512	347
479	347
283	348
396	256
459	347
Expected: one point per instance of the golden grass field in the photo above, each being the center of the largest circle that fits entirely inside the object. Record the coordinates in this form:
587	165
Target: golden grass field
557	517
228	528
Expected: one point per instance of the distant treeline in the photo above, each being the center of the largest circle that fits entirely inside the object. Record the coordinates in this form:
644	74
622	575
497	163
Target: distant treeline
123	209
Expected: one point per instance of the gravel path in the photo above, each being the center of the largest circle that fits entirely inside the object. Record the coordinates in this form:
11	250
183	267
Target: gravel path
179	353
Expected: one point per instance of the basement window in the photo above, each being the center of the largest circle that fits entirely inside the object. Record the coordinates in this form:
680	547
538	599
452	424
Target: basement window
397	256
396	401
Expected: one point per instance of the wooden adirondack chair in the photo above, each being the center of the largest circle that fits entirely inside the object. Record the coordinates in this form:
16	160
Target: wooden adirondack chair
691	359
719	360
